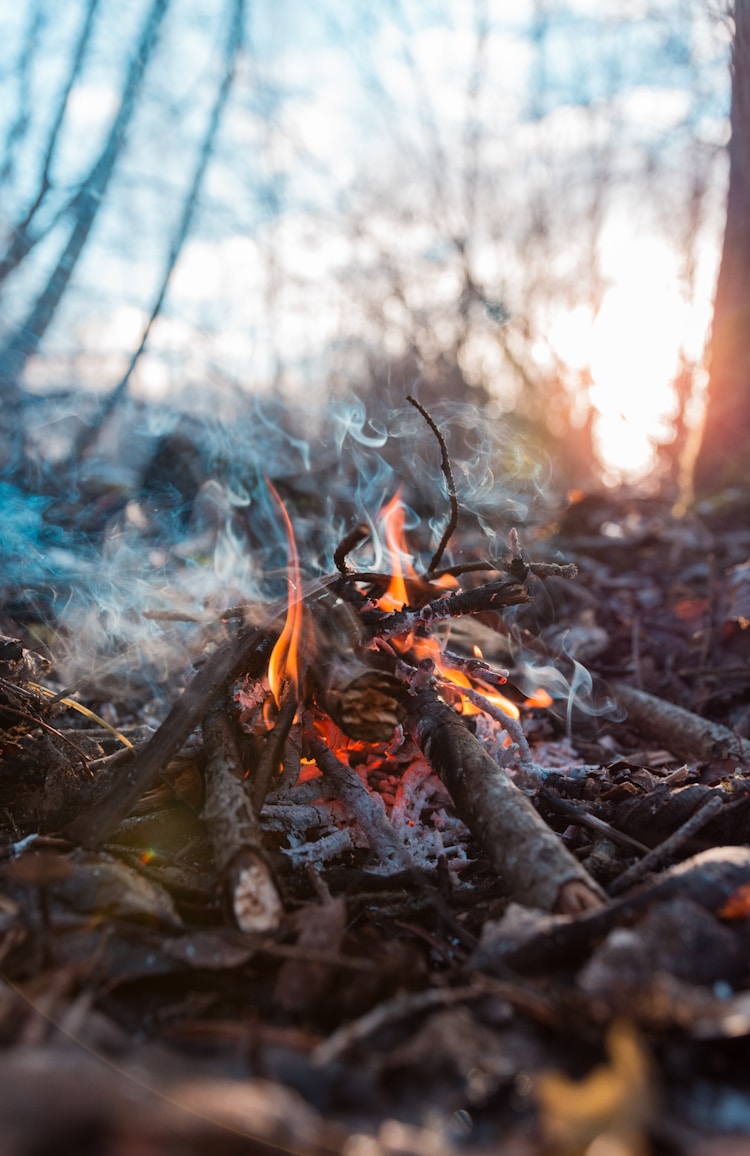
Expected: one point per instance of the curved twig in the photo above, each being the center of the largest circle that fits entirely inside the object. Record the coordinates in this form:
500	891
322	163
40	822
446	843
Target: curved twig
445	465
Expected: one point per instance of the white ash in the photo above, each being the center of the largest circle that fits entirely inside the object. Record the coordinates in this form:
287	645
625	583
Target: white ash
440	834
296	818
560	755
320	851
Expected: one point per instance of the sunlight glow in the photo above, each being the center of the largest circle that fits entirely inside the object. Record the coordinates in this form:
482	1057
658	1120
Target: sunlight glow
635	352
632	349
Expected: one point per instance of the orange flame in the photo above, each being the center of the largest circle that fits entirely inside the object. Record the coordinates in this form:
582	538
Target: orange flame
540	698
392	516
502	703
284	661
496	699
429	648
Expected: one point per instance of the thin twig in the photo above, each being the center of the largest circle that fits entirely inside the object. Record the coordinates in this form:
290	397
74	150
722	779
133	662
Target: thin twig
665	850
273	751
349	542
495	595
25	716
234	829
445	465
582	818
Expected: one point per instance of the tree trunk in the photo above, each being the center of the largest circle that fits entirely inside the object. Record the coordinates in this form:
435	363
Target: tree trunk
725	447
25	341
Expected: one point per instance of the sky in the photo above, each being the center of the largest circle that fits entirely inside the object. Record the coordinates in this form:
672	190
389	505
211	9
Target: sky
567	157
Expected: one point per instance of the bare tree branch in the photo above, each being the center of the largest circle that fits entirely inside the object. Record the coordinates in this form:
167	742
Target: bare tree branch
22	240
24	343
20	125
234	41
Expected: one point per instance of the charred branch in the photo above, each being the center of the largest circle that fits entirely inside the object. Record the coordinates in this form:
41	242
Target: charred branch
366	807
247	653
349	542
495	595
532	863
273	751
234	829
445	465
681	731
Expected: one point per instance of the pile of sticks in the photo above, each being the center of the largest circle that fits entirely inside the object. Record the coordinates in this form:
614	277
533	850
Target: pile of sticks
361	671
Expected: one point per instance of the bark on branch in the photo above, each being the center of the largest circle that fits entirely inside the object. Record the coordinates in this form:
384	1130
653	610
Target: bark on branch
535	867
235	831
248	653
681	731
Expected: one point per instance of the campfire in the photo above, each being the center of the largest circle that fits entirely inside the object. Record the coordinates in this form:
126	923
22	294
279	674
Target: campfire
351	696
371	826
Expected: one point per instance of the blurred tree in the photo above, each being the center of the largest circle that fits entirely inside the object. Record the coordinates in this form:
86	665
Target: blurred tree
486	227
82	209
350	197
724	455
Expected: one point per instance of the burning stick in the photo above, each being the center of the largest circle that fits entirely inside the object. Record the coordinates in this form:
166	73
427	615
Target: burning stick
348	543
366	807
535	867
273	752
504	591
234	830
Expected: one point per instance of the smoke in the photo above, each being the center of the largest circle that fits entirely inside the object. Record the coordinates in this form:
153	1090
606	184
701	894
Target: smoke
575	695
134	563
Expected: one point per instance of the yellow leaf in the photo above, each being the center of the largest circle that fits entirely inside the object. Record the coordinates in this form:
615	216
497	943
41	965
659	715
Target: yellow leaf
606	1113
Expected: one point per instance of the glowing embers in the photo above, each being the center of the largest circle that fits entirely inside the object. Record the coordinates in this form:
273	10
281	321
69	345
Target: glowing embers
428	648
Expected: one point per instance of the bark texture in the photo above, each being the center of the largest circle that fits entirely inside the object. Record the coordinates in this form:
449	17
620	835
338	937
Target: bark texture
723	455
533	865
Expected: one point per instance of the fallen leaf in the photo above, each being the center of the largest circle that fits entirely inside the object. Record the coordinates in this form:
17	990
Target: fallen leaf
612	1105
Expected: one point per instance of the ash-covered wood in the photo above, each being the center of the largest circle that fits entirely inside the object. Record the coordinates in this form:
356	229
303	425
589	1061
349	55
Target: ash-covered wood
234	830
249	651
532	864
365	806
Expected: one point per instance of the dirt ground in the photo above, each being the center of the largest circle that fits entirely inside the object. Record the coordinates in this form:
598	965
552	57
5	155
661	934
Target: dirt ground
408	988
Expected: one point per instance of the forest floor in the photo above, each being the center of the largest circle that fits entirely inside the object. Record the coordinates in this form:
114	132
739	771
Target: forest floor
399	993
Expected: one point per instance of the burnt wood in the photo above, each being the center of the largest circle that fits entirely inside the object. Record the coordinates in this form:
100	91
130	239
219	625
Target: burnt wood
532	863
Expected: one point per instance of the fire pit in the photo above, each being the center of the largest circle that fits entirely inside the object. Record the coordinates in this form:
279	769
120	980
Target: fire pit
361	661
371	865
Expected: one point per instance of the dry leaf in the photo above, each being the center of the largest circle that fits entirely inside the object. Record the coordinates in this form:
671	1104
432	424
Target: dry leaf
612	1105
